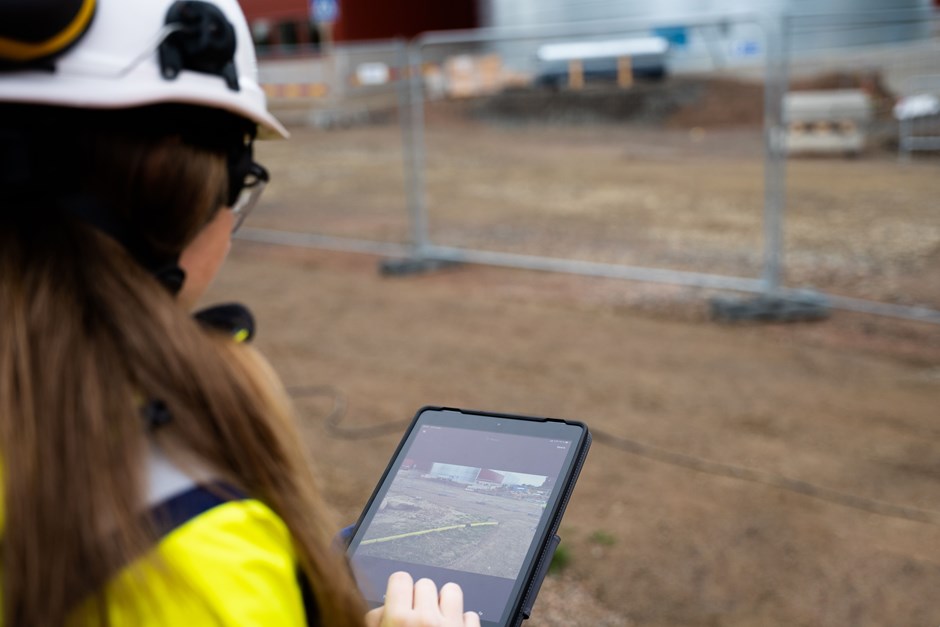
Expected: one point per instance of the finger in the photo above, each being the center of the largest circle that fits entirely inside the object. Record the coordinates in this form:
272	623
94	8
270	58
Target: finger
451	603
374	617
471	619
426	596
399	595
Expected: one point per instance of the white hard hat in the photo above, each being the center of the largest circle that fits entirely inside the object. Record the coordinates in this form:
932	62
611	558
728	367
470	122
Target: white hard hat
143	52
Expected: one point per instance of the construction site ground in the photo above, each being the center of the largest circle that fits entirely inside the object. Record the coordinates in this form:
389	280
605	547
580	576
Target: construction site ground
742	474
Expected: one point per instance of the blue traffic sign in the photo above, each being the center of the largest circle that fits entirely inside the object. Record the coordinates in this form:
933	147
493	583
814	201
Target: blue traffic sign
324	11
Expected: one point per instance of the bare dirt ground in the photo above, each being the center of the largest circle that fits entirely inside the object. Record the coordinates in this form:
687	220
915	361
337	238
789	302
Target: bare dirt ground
836	520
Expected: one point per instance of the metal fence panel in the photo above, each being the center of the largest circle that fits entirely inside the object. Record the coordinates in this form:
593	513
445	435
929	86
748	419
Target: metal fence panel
862	224
345	163
602	169
540	148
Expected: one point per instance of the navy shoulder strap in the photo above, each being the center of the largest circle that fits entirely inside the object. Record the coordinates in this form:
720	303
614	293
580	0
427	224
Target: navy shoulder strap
183	507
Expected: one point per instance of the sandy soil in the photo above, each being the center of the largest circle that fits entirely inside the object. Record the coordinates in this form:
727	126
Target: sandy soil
835	519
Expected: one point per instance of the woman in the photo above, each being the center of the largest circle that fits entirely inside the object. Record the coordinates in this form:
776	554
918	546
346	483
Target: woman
151	472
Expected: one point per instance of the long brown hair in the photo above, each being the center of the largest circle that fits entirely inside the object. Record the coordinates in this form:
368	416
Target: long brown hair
87	333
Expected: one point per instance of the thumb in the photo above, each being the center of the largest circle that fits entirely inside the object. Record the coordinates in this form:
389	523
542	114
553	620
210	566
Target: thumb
374	617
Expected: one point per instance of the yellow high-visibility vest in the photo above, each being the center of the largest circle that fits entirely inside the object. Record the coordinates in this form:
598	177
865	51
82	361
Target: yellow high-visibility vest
220	562
230	565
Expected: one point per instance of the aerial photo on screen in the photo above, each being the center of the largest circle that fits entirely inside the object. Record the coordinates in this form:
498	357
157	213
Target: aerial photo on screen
478	520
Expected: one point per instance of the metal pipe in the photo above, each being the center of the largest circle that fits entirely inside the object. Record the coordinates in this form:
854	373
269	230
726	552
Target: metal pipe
325	242
580	29
591	268
417	191
405	121
583	268
775	156
920	314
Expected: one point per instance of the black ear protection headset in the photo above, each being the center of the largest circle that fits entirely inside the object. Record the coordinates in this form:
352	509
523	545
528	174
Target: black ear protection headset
203	41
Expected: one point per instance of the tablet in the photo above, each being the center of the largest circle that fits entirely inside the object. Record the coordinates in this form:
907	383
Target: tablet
474	498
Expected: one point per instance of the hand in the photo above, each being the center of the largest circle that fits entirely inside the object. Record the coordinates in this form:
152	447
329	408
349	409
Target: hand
409	604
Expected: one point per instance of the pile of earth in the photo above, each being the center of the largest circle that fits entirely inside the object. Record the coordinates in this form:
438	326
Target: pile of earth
675	102
678	102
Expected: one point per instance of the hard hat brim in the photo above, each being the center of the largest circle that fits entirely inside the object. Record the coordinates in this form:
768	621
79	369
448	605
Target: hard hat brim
189	88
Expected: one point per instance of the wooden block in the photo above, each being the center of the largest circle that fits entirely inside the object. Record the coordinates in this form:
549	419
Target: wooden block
624	72
575	74
291	90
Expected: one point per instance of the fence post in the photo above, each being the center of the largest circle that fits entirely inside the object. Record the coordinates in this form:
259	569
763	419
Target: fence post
774	302
417	192
412	121
776	80
406	122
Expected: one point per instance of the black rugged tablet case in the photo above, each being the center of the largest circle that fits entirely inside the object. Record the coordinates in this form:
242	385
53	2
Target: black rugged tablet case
539	568
534	584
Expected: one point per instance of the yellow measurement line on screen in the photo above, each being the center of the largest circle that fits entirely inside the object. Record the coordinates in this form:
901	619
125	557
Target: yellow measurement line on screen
426	531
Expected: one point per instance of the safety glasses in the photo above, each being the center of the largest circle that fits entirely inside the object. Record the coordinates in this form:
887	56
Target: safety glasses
252	185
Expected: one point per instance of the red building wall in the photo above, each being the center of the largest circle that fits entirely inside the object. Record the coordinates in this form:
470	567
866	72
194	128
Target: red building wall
275	9
373	19
490	475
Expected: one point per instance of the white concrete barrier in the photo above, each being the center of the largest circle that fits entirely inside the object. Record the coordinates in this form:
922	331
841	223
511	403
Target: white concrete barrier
827	122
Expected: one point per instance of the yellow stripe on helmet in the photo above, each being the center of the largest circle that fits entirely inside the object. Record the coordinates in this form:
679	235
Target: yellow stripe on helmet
14	50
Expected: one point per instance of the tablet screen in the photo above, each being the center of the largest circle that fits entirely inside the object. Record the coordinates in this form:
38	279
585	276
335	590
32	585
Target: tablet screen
466	500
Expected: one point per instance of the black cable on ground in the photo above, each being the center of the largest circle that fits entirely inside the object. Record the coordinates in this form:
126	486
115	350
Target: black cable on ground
338	411
759	476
